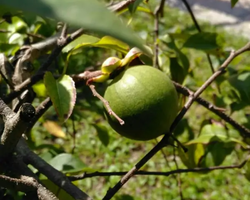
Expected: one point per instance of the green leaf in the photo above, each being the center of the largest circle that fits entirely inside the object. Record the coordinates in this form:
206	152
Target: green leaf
91	15
204	41
132	7
213	132
179	64
124	197
216	154
105	42
62	93
102	133
233	2
192	157
40	89
81	41
241	83
178	72
61	194
247	170
67	163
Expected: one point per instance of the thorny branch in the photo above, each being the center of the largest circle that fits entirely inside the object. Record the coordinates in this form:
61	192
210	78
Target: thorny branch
112	191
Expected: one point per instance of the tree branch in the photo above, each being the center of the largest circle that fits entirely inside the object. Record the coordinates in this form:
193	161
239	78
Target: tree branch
39	74
26	184
187	92
195	95
51	173
19	169
15	125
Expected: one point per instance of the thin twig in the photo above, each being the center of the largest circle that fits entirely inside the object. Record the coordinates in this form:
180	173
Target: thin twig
199	29
155	173
218	111
193	97
39	74
106	104
157	14
120	5
178	178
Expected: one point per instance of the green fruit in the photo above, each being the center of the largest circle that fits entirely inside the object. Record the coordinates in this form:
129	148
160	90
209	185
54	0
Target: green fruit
146	99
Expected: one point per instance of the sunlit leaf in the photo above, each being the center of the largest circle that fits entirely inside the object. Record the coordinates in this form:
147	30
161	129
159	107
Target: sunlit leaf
40	89
105	42
192	157
67	163
62	93
54	129
81	41
214	132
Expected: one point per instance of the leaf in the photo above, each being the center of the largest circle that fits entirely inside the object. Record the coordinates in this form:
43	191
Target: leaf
40	89
233	3
67	163
214	132
241	83
132	7
178	73
81	41
204	41
91	15
54	129
62	93
179	64
61	194
247	170
216	154
112	43
102	133
105	42
192	157
124	197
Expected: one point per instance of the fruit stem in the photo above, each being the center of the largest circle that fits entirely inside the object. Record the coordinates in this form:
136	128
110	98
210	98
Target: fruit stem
106	104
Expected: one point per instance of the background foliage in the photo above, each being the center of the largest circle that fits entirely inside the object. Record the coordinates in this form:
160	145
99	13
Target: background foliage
86	143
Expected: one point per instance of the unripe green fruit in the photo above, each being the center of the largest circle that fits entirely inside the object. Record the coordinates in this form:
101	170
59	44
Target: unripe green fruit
146	99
